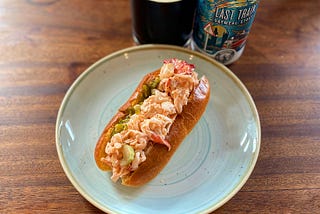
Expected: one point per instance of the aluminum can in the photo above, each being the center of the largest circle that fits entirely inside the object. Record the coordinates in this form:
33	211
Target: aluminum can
221	28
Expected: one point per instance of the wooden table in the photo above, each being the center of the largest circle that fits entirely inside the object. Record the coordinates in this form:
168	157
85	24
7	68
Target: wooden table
46	44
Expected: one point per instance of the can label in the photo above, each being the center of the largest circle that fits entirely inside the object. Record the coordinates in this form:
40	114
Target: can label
221	27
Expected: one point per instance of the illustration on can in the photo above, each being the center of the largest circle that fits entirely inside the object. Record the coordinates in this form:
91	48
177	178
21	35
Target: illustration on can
221	27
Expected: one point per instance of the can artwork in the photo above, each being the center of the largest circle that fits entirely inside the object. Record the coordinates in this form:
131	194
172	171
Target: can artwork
221	28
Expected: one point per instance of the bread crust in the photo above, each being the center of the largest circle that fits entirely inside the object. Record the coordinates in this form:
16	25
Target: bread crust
157	155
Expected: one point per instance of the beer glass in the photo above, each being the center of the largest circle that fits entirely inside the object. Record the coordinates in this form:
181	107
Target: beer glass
162	21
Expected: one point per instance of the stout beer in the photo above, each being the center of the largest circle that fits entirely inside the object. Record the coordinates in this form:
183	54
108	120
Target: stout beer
162	21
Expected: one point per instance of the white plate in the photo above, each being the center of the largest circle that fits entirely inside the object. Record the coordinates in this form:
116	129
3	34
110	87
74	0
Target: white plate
210	166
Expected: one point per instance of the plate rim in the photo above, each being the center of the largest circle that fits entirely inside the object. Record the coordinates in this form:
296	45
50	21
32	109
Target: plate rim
117	53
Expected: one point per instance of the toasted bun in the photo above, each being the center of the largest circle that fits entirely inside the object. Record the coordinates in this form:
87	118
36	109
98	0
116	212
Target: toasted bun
157	156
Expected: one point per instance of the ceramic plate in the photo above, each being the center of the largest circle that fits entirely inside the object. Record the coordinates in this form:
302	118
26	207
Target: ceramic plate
210	166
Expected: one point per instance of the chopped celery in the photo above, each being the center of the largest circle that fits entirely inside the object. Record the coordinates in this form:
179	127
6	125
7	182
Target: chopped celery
130	111
119	127
137	108
128	155
146	91
154	83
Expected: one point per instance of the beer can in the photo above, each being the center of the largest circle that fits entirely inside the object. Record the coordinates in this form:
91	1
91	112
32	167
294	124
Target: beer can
221	28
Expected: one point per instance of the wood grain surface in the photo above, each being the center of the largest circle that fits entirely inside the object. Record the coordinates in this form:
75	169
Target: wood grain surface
46	44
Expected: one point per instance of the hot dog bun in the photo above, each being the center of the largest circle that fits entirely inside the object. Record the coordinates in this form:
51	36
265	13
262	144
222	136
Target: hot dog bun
157	155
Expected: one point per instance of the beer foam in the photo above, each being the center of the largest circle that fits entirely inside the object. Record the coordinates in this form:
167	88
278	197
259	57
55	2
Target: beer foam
165	1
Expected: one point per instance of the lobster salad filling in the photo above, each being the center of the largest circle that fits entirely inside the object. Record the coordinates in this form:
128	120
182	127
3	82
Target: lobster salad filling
150	119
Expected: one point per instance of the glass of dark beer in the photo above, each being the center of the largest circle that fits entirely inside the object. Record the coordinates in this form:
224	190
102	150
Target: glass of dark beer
162	21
